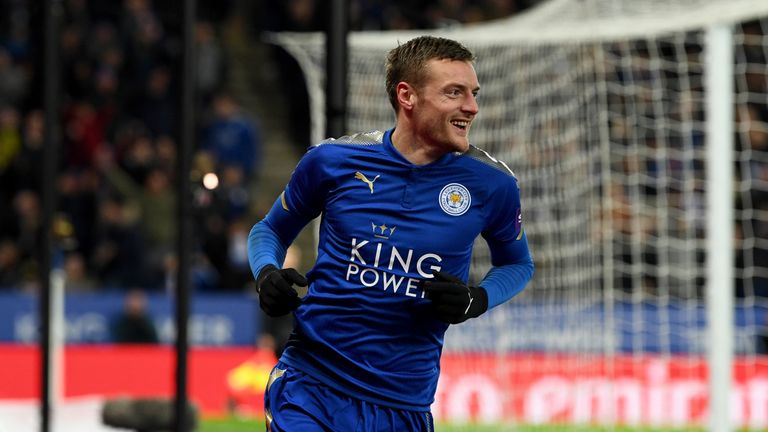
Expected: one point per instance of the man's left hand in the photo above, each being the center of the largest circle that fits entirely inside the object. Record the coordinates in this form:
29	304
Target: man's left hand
453	300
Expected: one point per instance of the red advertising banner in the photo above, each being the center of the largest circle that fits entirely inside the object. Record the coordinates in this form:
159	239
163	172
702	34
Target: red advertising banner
594	389
218	377
525	388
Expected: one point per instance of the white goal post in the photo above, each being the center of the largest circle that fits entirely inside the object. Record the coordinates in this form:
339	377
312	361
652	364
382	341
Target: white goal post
639	133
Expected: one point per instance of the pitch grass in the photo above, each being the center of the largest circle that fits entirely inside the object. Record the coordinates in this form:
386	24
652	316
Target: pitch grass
233	424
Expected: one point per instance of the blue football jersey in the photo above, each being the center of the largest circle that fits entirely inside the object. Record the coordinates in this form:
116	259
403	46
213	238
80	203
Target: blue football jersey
365	326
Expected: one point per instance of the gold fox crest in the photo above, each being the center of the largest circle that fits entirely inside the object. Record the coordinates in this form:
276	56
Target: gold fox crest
361	176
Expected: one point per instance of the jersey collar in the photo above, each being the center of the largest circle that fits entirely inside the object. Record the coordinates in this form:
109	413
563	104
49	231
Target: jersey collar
390	148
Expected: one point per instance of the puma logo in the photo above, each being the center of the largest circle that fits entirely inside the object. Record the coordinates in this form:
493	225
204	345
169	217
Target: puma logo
361	176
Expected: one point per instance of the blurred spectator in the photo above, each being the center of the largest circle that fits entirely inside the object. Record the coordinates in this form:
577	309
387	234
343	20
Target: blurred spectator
10	137
223	245
503	8
214	11
232	137
26	232
9	264
11	176
77	277
157	108
211	63
222	211
78	71
78	203
155	202
118	257
303	15
138	157
237	274
84	132
134	325
752	122
204	276
14	80
10	147
29	164
233	193
446	13
145	43
165	154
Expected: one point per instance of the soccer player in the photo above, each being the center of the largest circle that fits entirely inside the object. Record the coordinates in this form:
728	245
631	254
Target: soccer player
400	211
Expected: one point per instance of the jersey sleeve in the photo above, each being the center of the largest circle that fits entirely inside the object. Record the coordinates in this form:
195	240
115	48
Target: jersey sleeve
310	183
504	227
510	257
298	204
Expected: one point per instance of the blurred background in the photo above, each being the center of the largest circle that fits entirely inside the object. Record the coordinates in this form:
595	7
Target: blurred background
120	118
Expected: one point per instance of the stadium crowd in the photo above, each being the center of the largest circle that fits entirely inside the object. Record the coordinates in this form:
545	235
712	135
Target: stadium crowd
120	80
119	130
661	166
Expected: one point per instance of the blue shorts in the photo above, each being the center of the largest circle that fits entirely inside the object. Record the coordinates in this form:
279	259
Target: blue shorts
294	401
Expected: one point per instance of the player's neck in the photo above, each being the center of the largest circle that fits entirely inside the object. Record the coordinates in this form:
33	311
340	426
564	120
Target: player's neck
413	149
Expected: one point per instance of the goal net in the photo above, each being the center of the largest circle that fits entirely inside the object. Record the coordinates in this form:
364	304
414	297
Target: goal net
599	106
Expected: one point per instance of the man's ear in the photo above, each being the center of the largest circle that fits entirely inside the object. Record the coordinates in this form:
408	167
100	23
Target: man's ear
406	95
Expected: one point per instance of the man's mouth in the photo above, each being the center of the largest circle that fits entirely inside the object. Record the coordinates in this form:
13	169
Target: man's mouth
461	124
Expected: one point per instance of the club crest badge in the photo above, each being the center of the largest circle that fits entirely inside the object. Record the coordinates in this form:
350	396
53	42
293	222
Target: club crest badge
455	199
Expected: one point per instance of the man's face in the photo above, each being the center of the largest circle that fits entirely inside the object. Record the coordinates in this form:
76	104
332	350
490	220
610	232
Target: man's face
446	104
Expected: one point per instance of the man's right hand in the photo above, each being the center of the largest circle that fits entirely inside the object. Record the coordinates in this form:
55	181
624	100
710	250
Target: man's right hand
277	297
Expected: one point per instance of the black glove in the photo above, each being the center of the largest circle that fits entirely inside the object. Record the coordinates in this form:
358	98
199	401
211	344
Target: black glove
277	296
453	300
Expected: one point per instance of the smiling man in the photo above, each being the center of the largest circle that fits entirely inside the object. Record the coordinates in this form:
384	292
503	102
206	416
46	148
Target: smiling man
400	210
